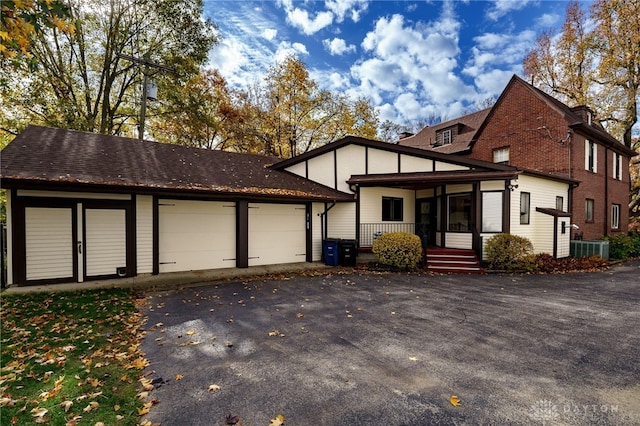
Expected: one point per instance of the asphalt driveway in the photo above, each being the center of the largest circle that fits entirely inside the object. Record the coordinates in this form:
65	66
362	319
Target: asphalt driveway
391	349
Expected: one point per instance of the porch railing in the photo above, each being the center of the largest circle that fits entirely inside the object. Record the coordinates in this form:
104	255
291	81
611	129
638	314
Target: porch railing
370	231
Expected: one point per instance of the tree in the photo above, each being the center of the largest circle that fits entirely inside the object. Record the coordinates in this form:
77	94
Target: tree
198	113
617	42
288	114
82	83
21	21
594	61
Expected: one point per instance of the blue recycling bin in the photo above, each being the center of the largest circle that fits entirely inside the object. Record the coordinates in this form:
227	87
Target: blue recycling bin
330	249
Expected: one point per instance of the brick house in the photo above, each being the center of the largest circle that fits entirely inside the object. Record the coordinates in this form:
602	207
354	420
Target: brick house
532	130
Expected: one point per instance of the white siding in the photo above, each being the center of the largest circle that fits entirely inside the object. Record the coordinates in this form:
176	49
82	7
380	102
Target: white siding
196	235
459	188
540	229
277	234
49	243
459	240
341	221
441	167
144	233
382	161
409	164
564	240
9	239
63	194
321	169
425	193
492	185
105	242
316	234
371	204
350	161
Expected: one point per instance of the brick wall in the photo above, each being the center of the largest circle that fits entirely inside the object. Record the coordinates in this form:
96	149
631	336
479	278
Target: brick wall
536	135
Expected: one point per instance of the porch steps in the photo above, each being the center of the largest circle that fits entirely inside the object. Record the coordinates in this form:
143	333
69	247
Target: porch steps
445	261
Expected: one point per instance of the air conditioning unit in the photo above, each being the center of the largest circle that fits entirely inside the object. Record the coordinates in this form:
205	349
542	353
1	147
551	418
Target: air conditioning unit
589	248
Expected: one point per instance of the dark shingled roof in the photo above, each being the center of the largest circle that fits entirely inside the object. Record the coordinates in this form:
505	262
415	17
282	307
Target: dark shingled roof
47	156
468	127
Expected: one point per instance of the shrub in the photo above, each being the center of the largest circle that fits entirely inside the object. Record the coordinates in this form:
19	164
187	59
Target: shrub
623	246
507	252
398	249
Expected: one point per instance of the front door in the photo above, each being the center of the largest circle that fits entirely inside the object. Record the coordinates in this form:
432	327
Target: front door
426	220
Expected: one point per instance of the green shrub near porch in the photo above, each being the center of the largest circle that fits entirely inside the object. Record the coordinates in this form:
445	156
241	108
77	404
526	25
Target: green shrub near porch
508	252
400	250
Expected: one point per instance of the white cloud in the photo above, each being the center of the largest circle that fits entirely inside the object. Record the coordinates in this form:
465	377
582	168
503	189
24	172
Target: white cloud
502	7
338	46
412	66
286	48
269	33
303	20
351	8
547	20
498	51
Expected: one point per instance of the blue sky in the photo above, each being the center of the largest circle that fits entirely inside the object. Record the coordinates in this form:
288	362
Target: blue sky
413	59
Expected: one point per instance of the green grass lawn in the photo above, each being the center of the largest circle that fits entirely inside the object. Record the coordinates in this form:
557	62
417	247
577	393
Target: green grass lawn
71	358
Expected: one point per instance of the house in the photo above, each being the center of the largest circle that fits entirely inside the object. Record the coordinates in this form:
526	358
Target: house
83	206
528	128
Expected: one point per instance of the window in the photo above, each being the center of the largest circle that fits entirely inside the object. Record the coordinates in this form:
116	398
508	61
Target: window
492	212
590	156
446	137
617	166
443	137
392	209
501	155
560	203
588	210
525	208
459	212
615	216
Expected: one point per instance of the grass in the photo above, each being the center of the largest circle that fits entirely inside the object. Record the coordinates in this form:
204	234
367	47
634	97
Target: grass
71	358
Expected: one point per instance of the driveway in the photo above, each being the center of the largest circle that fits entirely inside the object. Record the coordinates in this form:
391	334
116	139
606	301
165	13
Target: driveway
391	349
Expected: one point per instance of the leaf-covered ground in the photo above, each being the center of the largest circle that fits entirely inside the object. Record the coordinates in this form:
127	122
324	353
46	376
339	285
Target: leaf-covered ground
71	358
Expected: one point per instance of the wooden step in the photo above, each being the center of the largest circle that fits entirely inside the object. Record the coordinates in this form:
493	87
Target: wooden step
444	260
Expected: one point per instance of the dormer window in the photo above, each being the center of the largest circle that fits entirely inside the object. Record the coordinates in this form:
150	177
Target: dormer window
444	137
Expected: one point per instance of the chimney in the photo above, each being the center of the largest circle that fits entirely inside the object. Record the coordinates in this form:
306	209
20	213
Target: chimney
404	135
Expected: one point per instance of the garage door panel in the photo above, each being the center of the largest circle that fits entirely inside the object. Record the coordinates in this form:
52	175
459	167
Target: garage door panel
105	241
196	235
277	234
49	243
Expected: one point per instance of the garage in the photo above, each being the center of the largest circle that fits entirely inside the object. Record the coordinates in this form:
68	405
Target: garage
196	235
277	233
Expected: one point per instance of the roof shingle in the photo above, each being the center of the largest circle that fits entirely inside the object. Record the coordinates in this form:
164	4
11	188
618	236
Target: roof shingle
41	154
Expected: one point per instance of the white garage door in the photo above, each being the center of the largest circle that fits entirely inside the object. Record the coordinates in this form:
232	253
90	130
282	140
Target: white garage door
106	241
49	243
196	235
277	234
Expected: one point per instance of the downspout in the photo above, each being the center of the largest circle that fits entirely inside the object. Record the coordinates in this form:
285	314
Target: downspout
606	193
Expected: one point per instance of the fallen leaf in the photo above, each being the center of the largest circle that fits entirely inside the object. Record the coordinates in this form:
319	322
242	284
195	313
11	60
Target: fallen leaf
179	376
454	400
116	407
413	358
66	405
278	421
39	412
213	388
92	406
191	332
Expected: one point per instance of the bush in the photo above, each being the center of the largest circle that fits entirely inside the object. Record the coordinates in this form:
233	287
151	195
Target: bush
398	249
507	252
623	246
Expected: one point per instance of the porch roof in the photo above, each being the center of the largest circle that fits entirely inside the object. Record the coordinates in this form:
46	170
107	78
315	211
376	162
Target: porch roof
419	180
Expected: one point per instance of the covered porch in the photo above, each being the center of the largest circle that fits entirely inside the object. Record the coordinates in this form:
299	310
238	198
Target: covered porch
453	209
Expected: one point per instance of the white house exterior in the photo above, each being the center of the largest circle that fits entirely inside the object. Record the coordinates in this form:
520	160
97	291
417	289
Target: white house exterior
82	206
